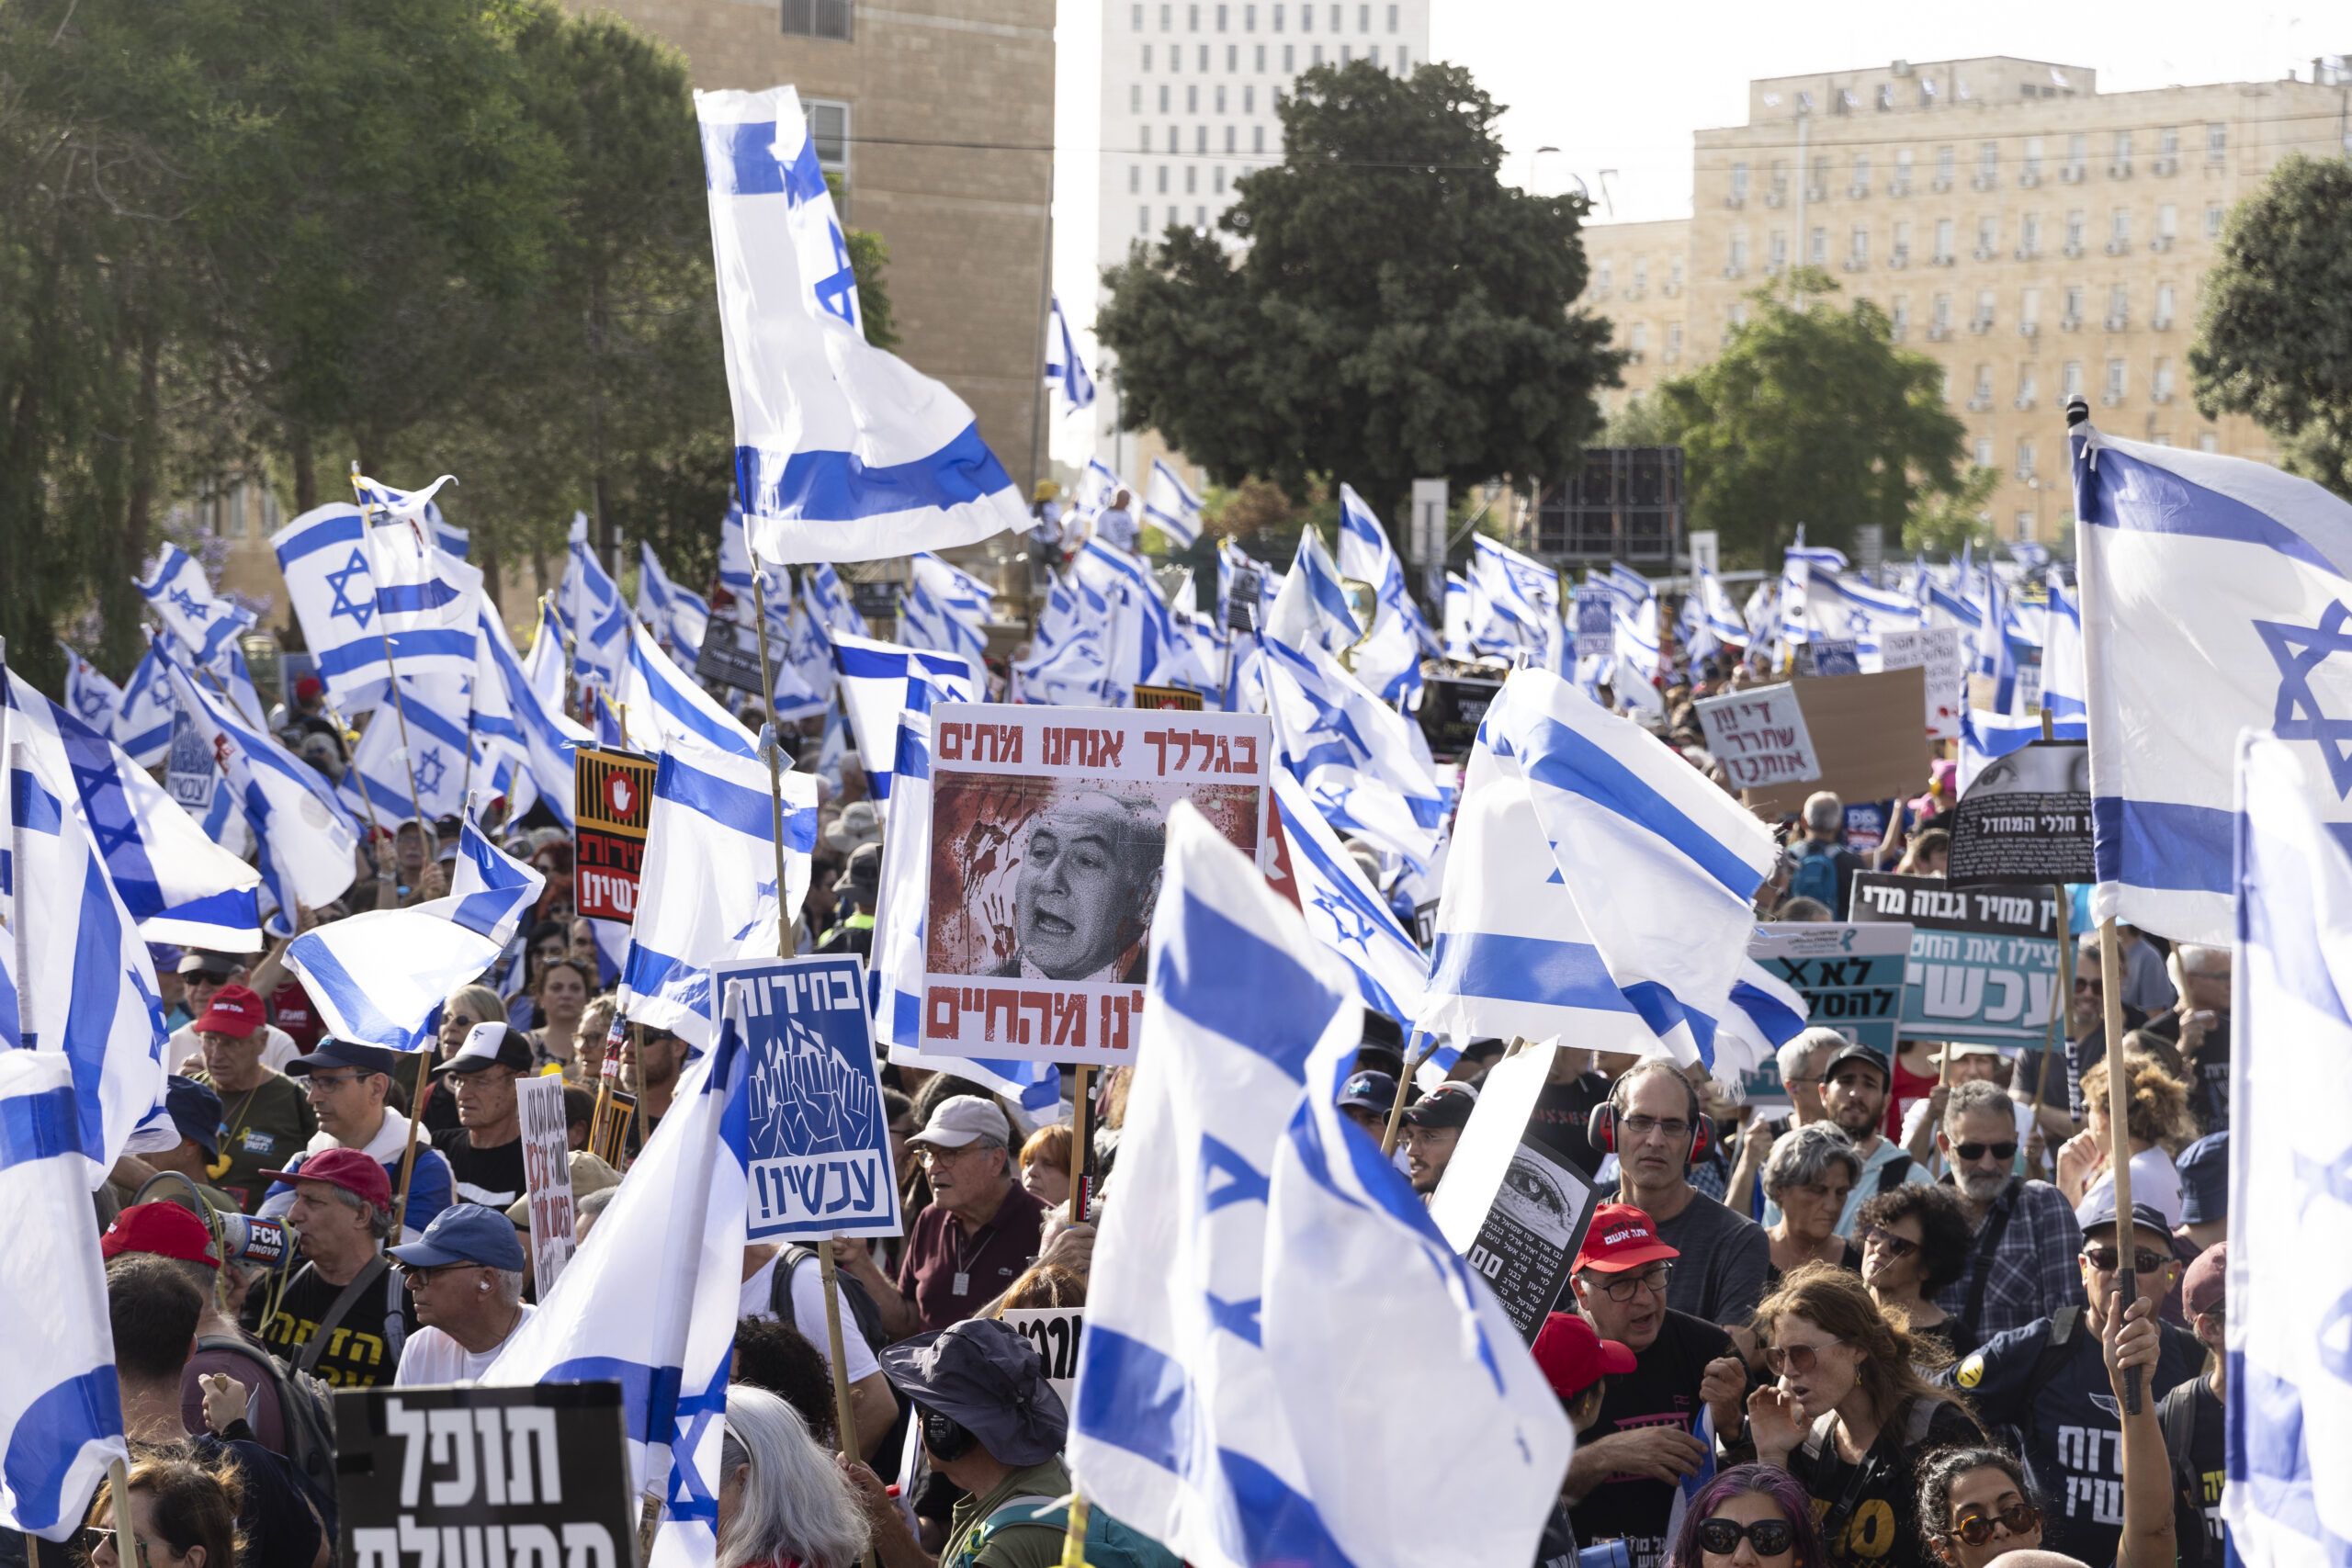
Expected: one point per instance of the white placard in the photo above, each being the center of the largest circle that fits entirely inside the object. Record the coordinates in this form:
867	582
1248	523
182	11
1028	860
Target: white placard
1055	1331
1938	649
547	1177
1759	736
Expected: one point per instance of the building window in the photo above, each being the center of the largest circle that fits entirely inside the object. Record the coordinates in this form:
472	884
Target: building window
2071	384
1163	179
2123	160
1220	100
2164	305
1220	18
1174	143
1988	161
1944	164
1776	249
1134	178
1175	57
1984	386
1902	170
2119	226
2114	382
1262	58
1229	133
1143	219
1404	59
2026	388
1136	12
2160	381
1943	242
1200	219
2217	142
1175	215
1817	248
1983	307
1191	18
1674	273
1392	19
2032	173
2024	525
1200	140
2119	306
1217	184
1307	19
2076	220
2029	235
1738	255
1316	53
1232	58
1372	52
1278	18
1861	185
1248	19
1249	100
1192	179
1639	340
1257	139
2073	308
1640	274
1290	51
1203	57
1164	91
1167	25
1146	57
2167	222
2208	442
817	18
1739	182
1335	18
1988	238
1347	53
1899	317
1983	449
829	133
1143	140
1673	340
2025	459
2212	220
1859	247
1885	97
1607	270
2028	306
1134	98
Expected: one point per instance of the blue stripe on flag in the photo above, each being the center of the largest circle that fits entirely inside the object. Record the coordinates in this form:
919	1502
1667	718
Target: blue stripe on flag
325	533
1664	1012
49	1439
1134	1396
350	997
414	598
1278	1525
741	159
1778	1021
1524	969
2155	843
1568	761
38	1127
101	978
2160	502
1219	974
748	812
837	487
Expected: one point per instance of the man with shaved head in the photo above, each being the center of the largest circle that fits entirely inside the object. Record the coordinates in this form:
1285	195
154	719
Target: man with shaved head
1082	901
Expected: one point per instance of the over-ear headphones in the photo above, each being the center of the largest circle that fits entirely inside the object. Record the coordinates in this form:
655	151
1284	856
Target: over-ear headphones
948	1438
1600	1130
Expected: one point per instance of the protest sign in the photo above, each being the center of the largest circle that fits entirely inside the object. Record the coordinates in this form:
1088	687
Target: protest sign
546	1176
1451	709
2027	817
1513	1209
1936	651
1046	831
1865	731
1983	960
190	774
1760	736
821	1141
731	655
1241	601
1182	698
1055	1331
1851	976
1835	656
532	1477
611	795
1596	629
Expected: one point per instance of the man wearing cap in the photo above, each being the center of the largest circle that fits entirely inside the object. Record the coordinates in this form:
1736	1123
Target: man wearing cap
264	1117
651	1073
485	1148
1577	1362
2194	1416
203	975
979	1231
1621	1483
2024	1264
347	1083
2049	1380
1433	1131
465	1276
2204	1168
1366	1099
861	880
170	1232
195	1112
343	1316
1855	1081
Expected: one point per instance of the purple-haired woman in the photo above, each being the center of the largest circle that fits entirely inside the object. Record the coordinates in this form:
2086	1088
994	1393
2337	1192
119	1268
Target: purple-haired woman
1752	1515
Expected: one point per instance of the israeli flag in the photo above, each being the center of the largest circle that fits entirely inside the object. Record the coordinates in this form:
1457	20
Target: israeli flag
1173	508
2215	597
2061	655
842	451
1069	661
60	1408
829	601
808	650
142	726
1523	600
544	666
378	976
649	1302
1096	489
1388	659
664	705
706	890
1140	642
673	613
358	635
417	506
1319	613
588	604
1766	1013
419	740
1996	660
1985	735
879	678
1221	1403
511	716
1457	619
1196	652
1345	912
205	627
1065	366
1231	560
946	608
93	699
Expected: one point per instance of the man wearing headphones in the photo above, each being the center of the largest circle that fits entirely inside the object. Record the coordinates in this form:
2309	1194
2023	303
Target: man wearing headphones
1654	1125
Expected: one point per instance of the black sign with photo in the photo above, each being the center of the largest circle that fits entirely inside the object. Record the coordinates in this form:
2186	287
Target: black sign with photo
2027	817
1451	709
1527	1246
731	655
877	601
1241	602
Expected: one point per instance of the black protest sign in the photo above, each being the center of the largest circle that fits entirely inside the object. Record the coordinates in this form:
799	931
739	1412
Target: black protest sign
730	656
1451	710
523	1477
611	802
2027	817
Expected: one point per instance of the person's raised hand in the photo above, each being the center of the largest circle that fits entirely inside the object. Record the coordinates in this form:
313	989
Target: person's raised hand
1661	1453
1072	1248
1775	1423
224	1401
1720	1391
2132	1339
2080	1159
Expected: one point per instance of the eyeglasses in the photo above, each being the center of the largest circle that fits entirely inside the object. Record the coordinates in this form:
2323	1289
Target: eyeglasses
1880	1236
1720	1538
1974	1152
930	1154
1641	1127
2105	1258
2017	1518
1797	1359
420	1277
89	1537
1652	1279
318	1081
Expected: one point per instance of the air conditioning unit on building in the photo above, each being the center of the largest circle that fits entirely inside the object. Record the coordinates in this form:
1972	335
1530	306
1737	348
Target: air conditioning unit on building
2071	174
2164	167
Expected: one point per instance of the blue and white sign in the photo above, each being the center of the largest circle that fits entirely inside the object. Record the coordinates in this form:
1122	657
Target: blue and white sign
820	1140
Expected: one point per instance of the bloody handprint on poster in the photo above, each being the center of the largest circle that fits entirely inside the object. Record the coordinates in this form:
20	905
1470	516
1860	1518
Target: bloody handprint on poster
1048	828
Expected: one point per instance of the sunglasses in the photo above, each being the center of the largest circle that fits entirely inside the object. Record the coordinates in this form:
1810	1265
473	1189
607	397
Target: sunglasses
1720	1538
2006	1149
89	1537
1893	1244
2020	1518
2105	1258
1797	1359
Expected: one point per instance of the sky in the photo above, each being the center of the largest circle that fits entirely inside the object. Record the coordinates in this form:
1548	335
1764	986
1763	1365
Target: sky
1621	87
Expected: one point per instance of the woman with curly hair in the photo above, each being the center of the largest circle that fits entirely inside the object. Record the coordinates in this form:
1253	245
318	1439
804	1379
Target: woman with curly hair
1915	1243
2159	1123
183	1515
1751	1515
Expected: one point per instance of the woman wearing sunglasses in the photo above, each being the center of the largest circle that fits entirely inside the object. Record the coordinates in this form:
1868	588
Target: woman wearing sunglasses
1851	1416
183	1515
1751	1515
1915	1243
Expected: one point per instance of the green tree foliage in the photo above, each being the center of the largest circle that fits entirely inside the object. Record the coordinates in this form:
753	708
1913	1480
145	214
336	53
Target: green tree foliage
1943	522
1810	416
1393	311
2274	333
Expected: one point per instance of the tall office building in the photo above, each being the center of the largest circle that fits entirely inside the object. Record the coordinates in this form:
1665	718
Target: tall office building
2035	236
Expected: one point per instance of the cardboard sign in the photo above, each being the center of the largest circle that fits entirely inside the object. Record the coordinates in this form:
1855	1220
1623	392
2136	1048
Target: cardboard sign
1048	828
1760	736
612	796
2027	817
1983	960
532	1477
1182	698
1513	1209
730	655
1936	651
1851	976
1866	733
821	1138
546	1176
1055	1331
1241	601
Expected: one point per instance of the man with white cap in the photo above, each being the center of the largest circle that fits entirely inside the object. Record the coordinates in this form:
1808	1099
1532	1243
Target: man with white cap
485	1149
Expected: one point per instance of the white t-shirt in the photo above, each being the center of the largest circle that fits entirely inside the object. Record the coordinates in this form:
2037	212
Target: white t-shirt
808	1313
184	1045
432	1357
2156	1182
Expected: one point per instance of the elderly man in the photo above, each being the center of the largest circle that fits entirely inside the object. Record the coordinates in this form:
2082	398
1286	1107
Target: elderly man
343	1318
465	1276
1824	867
203	976
2022	1266
1081	904
347	1083
981	1229
265	1118
485	1148
1970	1062
1656	1119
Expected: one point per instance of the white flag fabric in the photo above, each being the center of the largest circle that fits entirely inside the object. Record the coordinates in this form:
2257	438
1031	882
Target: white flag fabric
666	705
677	615
877	680
1520	597
1345	912
1221	1403
955	591
828	601
421	738
2213	600
842	451
514	723
60	1408
142	726
1389	659
1171	506
588	606
2061	655
544	666
1065	366
326	557
429	602
91	698
925	622
2290	1201
1140	641
1318	612
1457	618
205	627
1096	487
649	1302
1070	661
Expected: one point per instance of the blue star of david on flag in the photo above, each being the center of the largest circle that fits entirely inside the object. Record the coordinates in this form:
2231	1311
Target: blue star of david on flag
188	606
430	769
362	610
2300	651
1349	924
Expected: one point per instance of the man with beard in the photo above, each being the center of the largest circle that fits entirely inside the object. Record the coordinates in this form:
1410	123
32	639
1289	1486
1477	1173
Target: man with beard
1855	1080
1082	902
2021	1267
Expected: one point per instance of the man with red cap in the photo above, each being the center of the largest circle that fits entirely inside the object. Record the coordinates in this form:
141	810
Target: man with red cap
343	1316
169	1231
266	1119
1577	1362
1621	1486
203	975
2195	1415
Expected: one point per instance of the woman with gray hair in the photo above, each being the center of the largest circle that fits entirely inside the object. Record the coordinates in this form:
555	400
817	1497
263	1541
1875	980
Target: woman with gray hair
781	1501
1810	1170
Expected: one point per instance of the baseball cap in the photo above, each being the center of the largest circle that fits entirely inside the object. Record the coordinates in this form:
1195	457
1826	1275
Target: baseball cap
1854	1051
165	1229
2204	1286
2098	1208
2205	1180
1621	1237
1447	1105
962	1119
464	1233
865	871
989	1379
1573	1354
307	687
332	1053
195	1110
235	1010
856	825
1956	1049
357	1171
199	960
489	1046
589	1174
1374	1091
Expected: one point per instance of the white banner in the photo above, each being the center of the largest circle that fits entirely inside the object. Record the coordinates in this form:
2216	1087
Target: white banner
547	1177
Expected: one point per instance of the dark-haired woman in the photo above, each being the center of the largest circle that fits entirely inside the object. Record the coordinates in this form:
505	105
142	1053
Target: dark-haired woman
1915	1243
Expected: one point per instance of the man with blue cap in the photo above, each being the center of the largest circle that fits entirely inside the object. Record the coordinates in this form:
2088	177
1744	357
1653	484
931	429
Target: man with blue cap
347	1083
195	1112
465	1275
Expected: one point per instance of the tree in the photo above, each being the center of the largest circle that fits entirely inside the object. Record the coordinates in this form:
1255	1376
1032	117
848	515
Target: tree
1394	309
2274	335
1946	521
1811	416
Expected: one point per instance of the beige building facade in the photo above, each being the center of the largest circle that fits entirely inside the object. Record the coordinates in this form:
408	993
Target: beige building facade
2036	237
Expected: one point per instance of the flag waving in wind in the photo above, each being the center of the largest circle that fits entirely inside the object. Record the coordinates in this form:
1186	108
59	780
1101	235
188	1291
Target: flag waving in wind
1171	506
1065	366
1389	657
205	627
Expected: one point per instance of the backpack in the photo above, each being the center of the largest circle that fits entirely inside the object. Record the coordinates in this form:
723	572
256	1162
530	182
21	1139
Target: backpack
302	1409
857	1301
1815	876
1109	1543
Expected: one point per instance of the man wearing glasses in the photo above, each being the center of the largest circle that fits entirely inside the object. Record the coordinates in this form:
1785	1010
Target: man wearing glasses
2021	1267
1621	1483
981	1229
347	1083
2049	1382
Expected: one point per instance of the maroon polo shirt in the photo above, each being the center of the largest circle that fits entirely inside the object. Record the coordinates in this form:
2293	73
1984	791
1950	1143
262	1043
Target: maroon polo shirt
990	1258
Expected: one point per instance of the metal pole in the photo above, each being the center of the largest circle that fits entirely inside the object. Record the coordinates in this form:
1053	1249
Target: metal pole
10	745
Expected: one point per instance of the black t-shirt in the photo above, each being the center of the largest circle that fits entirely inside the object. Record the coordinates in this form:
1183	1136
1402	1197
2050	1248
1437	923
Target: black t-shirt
1663	1387
1941	1343
1875	1503
2207	1071
493	1175
1562	1113
363	1350
2198	1473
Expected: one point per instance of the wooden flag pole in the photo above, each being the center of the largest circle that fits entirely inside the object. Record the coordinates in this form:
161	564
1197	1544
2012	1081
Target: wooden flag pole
2119	1138
2063	988
126	1542
415	1119
1397	1107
